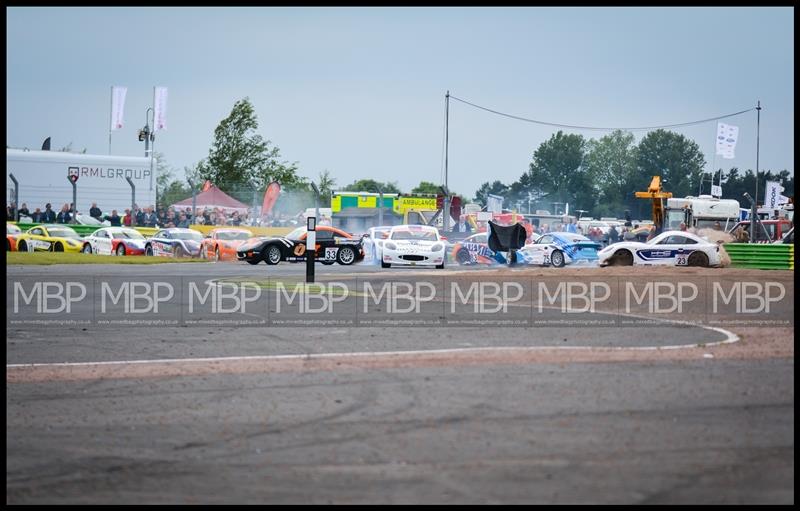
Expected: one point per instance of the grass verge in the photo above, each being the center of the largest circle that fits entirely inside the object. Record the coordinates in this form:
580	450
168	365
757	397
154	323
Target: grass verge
39	258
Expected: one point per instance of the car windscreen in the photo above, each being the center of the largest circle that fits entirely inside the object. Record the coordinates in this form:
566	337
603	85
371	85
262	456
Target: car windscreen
297	233
421	235
61	232
234	235
187	235
127	235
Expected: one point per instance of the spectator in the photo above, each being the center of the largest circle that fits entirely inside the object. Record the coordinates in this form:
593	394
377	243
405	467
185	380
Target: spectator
627	234
682	227
23	211
235	219
717	226
49	215
139	215
741	235
114	218
570	227
613	235
183	221
95	212
38	216
150	219
126	220
11	211
63	216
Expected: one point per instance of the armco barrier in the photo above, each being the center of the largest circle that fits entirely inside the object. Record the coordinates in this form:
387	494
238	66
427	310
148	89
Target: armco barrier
85	230
257	231
761	256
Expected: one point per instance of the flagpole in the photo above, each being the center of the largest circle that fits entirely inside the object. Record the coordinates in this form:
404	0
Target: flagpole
758	136
111	120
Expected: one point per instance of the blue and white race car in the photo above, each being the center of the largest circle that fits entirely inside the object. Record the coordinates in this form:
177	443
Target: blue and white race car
671	248
558	249
174	242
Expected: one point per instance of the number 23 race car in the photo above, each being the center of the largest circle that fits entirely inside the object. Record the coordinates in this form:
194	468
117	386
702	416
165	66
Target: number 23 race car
673	248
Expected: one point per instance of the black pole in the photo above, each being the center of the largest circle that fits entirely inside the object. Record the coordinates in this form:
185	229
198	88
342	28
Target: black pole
16	196
446	202
758	137
133	201
311	247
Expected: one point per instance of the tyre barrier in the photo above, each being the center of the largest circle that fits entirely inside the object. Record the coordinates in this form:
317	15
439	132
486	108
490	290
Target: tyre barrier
761	256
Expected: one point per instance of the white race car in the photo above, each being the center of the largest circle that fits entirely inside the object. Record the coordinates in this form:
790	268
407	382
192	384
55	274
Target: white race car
673	248
373	243
413	245
114	241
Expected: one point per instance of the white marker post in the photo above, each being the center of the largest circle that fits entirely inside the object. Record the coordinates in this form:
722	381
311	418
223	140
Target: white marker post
311	247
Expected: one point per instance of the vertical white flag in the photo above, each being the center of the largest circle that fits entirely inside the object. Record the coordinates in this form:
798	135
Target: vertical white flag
117	107
159	108
727	135
772	194
494	203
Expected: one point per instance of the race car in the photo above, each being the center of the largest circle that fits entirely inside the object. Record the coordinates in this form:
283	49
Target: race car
221	244
174	242
332	246
558	249
49	238
118	241
475	250
373	242
413	245
673	248
12	232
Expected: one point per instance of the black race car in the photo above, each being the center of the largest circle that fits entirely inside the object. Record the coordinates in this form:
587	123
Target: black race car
333	246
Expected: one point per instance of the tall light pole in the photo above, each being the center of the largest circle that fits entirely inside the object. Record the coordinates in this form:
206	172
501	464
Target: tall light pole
446	203
146	135
758	136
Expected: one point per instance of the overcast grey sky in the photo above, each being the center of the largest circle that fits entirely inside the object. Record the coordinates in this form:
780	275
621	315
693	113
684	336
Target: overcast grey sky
360	91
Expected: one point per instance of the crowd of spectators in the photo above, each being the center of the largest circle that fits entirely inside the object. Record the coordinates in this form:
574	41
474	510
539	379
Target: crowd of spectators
152	217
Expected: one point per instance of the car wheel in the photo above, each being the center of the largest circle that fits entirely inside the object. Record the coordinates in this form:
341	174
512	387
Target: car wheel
216	255
386	265
698	259
557	259
622	258
22	246
58	247
327	263
253	261
120	249
148	250
273	255
87	248
179	252
203	252
440	266
463	257
346	256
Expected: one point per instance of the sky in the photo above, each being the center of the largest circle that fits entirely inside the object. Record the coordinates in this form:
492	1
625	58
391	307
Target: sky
360	92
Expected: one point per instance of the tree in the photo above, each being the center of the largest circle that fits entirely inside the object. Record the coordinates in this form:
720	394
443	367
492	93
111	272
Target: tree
370	185
240	160
427	187
611	170
168	189
675	158
326	185
557	166
495	188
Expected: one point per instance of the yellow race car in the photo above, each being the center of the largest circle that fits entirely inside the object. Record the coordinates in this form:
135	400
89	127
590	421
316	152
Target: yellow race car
49	238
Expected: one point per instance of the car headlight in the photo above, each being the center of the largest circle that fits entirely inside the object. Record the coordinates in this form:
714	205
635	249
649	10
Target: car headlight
390	245
437	247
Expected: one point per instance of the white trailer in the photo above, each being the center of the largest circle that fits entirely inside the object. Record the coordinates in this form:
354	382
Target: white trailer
42	178
701	212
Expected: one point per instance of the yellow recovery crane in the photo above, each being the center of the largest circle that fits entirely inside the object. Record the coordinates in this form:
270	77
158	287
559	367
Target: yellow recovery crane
657	195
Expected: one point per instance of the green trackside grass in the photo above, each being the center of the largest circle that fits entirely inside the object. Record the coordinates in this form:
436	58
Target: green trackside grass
81	258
